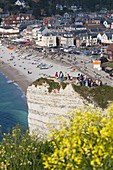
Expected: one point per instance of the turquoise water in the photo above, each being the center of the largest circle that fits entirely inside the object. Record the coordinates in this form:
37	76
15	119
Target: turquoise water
13	105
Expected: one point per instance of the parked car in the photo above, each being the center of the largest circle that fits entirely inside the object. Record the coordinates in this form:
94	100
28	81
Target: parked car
108	69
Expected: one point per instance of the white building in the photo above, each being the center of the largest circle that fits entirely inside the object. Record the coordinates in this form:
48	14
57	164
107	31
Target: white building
47	40
67	40
8	31
20	3
107	38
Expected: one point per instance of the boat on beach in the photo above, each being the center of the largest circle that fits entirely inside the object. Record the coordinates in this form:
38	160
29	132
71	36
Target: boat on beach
10	81
45	66
10	48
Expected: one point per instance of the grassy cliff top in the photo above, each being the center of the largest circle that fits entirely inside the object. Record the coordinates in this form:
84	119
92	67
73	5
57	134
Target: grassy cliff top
100	95
52	84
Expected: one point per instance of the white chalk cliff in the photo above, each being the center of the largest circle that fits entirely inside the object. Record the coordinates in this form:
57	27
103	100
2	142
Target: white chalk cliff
45	107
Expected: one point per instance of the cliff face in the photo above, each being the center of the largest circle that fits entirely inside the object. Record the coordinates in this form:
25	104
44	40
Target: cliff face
45	107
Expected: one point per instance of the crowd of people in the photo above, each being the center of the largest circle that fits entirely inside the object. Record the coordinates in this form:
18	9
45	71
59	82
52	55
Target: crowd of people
61	76
81	79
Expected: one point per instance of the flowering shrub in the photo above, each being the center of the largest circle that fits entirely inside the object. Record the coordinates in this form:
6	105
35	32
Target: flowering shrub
86	143
20	151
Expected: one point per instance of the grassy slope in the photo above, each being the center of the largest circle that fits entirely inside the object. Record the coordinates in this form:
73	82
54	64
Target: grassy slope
100	95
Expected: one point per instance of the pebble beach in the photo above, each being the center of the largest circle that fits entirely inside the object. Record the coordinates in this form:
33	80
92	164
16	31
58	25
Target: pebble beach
23	70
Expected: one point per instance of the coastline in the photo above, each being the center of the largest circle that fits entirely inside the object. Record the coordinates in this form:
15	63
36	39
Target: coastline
22	71
15	76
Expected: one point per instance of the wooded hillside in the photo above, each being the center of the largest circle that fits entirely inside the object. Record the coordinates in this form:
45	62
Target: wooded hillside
48	7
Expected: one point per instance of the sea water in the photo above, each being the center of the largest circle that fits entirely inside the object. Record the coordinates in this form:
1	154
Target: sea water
13	106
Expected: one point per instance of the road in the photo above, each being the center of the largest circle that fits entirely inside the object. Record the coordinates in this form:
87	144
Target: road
84	64
87	68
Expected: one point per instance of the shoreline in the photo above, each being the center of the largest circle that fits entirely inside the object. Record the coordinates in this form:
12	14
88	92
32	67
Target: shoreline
15	76
23	71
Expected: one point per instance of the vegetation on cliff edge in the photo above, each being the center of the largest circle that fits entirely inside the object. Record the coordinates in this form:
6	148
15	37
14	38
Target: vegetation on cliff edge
86	143
52	84
99	95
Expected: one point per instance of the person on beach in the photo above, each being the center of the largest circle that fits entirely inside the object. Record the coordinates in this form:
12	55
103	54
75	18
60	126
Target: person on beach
68	77
56	75
61	76
65	75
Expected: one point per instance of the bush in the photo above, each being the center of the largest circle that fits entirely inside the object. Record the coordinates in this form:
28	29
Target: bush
85	144
19	150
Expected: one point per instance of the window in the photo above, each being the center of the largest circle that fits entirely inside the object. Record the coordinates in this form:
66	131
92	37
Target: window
50	41
50	45
17	18
22	18
27	18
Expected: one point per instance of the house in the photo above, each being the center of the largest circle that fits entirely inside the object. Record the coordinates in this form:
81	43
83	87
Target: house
47	21
41	32
103	11
27	33
54	22
107	38
110	52
99	37
86	39
74	28
79	37
3	15
59	7
68	28
74	8
96	21
16	20
8	31
26	23
103	50
92	39
93	21
78	22
20	3
56	29
80	27
47	40
66	40
34	32
66	15
108	23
